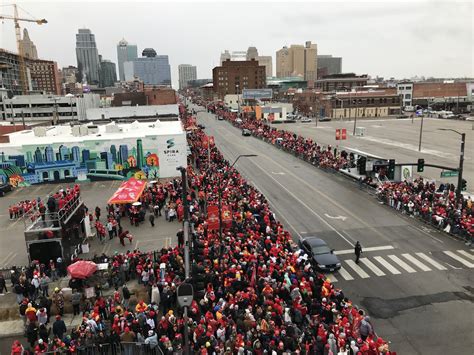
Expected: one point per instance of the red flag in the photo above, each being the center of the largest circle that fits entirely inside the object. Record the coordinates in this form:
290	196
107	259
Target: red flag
344	134
212	217
338	134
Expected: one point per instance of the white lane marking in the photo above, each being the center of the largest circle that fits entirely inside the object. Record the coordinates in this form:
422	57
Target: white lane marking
331	278
458	258
465	253
282	216
345	274
387	265
336	217
416	262
278	173
401	263
350	251
357	269
307	207
431	261
372	267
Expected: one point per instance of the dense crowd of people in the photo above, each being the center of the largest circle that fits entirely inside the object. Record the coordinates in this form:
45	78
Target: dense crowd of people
255	292
436	204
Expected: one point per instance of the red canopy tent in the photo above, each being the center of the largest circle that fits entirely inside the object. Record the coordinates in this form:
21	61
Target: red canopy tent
128	192
82	269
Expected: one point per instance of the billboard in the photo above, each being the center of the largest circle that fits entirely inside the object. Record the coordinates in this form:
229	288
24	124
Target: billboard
257	94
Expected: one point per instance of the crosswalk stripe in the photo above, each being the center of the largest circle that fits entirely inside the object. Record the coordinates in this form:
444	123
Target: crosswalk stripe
386	265
431	261
345	274
357	269
403	264
465	253
331	278
458	258
372	267
416	262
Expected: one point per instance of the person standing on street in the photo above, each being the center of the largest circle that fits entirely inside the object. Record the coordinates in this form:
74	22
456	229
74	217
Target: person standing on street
357	251
151	218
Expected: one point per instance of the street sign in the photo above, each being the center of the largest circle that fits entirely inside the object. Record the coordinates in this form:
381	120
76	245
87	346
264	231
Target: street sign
449	173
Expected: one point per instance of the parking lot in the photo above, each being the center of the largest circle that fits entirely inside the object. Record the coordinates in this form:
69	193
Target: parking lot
391	138
13	250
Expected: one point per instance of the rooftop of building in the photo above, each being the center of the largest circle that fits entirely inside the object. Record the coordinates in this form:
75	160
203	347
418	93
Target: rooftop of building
131	112
110	131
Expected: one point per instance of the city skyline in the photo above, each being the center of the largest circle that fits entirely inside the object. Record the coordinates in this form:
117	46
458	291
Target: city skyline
351	31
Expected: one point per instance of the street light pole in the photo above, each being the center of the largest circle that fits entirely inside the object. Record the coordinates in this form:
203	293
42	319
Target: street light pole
421	134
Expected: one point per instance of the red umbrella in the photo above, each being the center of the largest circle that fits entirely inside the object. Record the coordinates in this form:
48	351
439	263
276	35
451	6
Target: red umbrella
82	269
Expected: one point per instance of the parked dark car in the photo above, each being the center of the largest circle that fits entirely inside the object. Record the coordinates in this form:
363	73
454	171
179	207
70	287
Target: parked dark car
4	188
324	119
322	257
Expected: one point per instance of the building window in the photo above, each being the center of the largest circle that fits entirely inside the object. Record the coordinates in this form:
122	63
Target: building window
408	96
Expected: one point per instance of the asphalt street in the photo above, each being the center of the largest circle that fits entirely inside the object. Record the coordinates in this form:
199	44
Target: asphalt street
414	281
93	194
398	139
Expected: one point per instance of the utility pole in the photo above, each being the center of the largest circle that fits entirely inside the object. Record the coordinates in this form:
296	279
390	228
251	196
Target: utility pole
23	119
421	134
461	166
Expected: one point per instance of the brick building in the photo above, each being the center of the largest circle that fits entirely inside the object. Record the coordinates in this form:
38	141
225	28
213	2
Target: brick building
150	96
234	76
340	82
379	103
160	96
44	76
452	96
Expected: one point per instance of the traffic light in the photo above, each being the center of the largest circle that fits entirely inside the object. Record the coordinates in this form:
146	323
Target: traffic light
463	185
420	166
391	169
199	278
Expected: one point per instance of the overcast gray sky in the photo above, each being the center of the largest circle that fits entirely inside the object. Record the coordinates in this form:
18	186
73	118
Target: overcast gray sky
385	38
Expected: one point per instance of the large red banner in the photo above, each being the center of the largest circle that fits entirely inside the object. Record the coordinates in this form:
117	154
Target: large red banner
128	192
343	134
212	217
338	134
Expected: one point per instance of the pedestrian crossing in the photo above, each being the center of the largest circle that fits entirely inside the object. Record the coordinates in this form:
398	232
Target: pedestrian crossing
405	263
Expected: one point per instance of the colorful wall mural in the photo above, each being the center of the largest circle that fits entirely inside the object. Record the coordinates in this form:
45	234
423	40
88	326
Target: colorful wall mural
93	160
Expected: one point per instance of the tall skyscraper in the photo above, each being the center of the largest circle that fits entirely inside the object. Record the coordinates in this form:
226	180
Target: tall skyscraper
125	53
186	73
152	69
87	56
297	60
108	73
28	48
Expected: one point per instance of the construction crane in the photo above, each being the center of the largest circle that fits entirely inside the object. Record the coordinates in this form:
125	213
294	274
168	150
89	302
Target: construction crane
21	57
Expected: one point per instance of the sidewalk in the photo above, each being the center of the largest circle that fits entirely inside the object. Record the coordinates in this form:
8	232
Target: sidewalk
12	328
